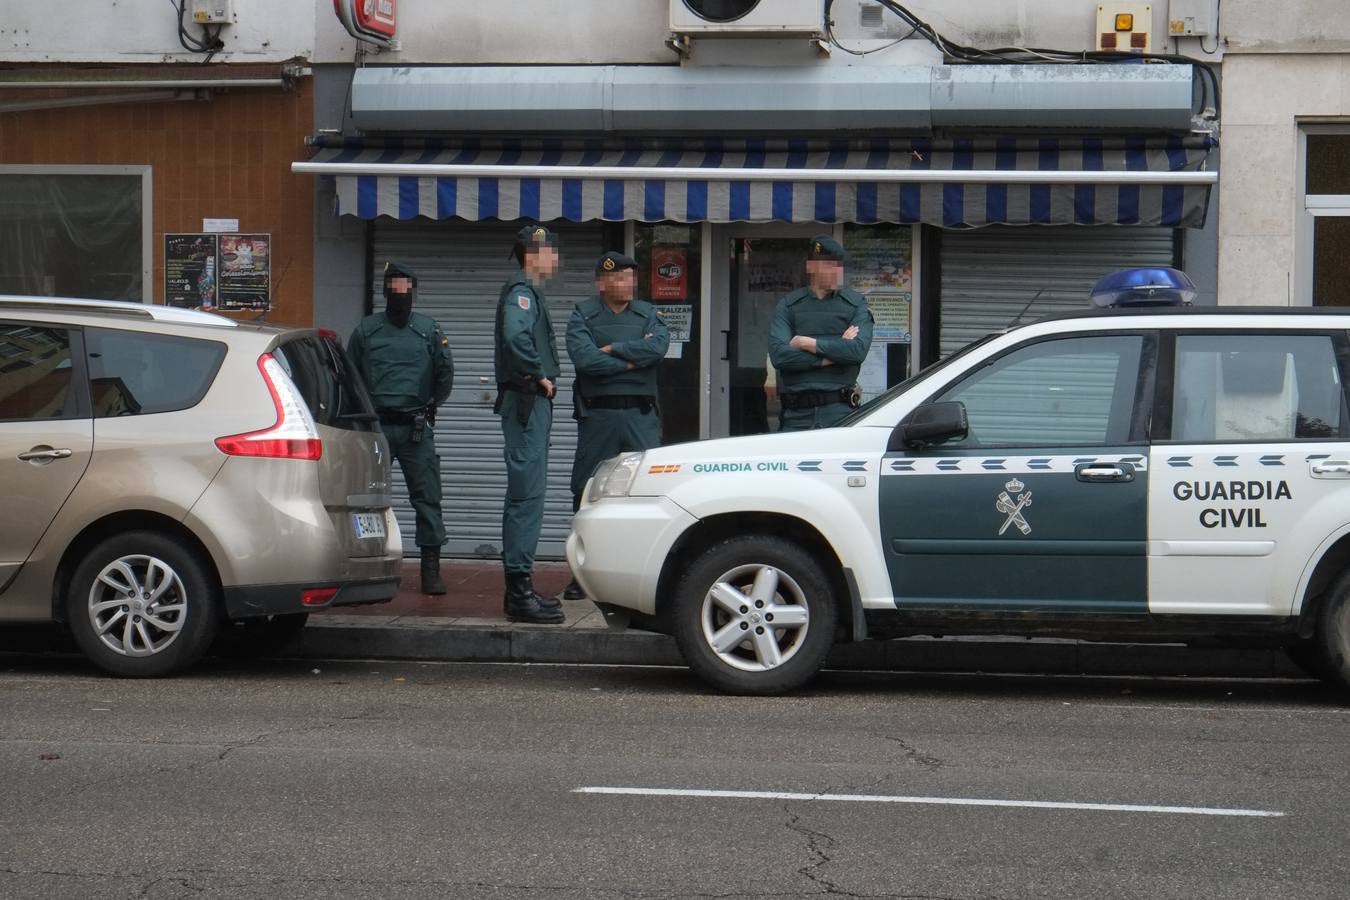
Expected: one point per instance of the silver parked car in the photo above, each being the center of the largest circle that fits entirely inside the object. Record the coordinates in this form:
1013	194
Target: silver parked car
164	471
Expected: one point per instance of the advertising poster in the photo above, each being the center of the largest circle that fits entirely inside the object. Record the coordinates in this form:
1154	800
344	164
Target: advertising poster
679	318
190	270
880	269
245	271
670	273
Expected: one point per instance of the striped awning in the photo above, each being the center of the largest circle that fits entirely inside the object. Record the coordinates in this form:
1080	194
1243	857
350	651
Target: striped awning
951	184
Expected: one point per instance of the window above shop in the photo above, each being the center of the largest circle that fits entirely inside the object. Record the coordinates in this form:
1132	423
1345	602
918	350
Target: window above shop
74	233
1328	164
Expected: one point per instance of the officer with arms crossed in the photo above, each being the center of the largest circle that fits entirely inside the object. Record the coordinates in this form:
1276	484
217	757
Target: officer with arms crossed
526	360
818	340
405	361
616	344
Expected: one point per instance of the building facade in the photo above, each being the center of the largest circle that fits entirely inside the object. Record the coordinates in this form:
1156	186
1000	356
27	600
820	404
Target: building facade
121	138
713	155
1284	232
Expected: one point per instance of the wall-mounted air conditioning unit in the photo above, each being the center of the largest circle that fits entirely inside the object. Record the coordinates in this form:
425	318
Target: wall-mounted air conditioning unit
746	17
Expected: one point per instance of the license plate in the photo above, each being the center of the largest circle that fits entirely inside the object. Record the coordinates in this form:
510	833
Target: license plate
368	525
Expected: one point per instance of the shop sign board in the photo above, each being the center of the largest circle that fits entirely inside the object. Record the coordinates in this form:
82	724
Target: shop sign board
373	21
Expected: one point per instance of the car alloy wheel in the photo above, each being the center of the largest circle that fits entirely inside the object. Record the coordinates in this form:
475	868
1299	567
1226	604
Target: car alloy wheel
137	605
755	617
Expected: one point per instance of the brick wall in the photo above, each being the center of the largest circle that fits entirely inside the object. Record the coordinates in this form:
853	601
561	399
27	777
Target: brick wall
226	157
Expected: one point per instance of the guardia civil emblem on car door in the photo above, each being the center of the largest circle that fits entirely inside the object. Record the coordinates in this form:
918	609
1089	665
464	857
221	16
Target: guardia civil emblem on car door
1011	501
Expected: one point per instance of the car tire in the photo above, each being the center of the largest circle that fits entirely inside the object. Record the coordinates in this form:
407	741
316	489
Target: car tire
742	585
1333	634
167	627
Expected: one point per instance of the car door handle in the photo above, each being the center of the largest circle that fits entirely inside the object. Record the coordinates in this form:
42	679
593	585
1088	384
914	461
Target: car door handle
1096	472
1330	468
47	453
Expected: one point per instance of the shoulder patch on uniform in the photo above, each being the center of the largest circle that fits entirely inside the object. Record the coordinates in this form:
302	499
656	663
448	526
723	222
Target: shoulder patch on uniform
445	342
523	301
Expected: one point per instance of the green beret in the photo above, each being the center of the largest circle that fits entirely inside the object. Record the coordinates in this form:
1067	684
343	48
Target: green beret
395	269
614	261
825	247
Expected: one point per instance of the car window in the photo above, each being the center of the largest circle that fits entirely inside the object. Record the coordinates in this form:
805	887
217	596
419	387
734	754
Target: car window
1257	387
327	380
134	373
36	368
1074	391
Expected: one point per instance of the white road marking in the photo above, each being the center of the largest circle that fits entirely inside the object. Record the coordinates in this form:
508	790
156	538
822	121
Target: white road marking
930	801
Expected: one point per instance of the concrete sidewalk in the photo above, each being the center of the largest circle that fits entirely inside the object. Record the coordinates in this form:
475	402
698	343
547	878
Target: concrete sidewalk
467	625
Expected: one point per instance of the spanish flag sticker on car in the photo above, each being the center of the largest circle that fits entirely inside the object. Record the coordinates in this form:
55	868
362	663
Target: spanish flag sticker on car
663	470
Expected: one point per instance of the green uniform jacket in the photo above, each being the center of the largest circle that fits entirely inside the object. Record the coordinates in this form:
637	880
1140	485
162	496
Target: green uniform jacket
523	343
825	319
405	369
636	335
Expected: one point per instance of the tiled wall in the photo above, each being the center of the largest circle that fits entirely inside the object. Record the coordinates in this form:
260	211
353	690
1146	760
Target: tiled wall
226	157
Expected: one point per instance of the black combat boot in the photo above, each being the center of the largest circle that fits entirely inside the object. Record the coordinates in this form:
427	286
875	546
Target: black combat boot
431	571
521	603
574	591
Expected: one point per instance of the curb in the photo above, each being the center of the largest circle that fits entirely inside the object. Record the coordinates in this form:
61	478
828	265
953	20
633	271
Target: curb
449	643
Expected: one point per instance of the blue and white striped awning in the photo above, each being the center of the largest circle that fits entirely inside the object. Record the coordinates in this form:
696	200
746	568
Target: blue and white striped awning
951	184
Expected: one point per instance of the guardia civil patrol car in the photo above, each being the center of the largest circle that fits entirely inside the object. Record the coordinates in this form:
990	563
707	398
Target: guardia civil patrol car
1145	473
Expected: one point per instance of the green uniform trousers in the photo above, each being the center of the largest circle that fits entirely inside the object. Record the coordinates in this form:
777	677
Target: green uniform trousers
526	453
422	473
609	432
816	417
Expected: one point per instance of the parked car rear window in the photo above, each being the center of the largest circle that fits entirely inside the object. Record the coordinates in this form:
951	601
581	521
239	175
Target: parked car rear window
328	382
35	373
133	373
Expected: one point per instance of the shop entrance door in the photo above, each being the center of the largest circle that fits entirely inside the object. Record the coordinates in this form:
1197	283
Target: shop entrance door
753	266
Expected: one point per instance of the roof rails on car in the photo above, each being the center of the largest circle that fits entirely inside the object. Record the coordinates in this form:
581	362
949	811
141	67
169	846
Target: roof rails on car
153	311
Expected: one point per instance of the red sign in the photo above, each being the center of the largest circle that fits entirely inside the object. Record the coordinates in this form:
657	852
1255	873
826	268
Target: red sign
375	21
670	273
377	16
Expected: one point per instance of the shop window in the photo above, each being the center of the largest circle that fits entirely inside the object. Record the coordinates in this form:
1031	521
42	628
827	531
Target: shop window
881	268
72	235
670	272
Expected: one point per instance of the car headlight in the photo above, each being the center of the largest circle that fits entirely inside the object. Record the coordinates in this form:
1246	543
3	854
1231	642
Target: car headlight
614	477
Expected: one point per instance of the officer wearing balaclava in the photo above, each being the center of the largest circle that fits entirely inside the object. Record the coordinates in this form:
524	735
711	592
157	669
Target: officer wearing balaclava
404	359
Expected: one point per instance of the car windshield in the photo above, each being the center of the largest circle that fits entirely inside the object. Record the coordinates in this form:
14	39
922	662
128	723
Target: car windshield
891	393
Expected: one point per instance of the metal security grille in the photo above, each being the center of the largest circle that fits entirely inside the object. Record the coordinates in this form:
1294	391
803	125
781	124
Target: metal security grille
460	269
995	276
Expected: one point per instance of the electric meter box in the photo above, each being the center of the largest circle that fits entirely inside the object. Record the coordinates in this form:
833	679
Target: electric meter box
213	12
747	17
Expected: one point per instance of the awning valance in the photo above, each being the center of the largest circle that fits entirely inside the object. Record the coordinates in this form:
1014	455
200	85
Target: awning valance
951	184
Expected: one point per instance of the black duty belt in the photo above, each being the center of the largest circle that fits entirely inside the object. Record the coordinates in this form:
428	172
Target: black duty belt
812	399
388	417
521	386
621	401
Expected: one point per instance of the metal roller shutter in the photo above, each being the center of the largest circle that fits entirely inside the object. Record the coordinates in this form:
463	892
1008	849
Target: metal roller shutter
990	277
460	269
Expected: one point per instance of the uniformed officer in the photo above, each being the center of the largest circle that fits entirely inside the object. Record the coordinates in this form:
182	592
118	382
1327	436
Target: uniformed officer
404	359
526	361
818	340
616	344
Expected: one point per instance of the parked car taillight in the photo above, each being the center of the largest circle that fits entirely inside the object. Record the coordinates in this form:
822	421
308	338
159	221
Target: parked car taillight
294	436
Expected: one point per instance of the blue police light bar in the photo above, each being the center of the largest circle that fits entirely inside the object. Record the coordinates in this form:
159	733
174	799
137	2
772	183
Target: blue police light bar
1153	286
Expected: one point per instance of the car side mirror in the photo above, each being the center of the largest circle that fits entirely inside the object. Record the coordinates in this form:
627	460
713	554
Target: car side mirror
932	423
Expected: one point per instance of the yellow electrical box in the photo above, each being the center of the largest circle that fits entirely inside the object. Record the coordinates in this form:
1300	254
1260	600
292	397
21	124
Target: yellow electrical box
1125	27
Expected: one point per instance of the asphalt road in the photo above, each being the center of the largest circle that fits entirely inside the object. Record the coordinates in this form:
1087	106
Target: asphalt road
409	781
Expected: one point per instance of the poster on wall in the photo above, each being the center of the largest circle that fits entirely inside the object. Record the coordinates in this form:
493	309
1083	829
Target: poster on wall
245	271
190	270
679	318
881	270
670	273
